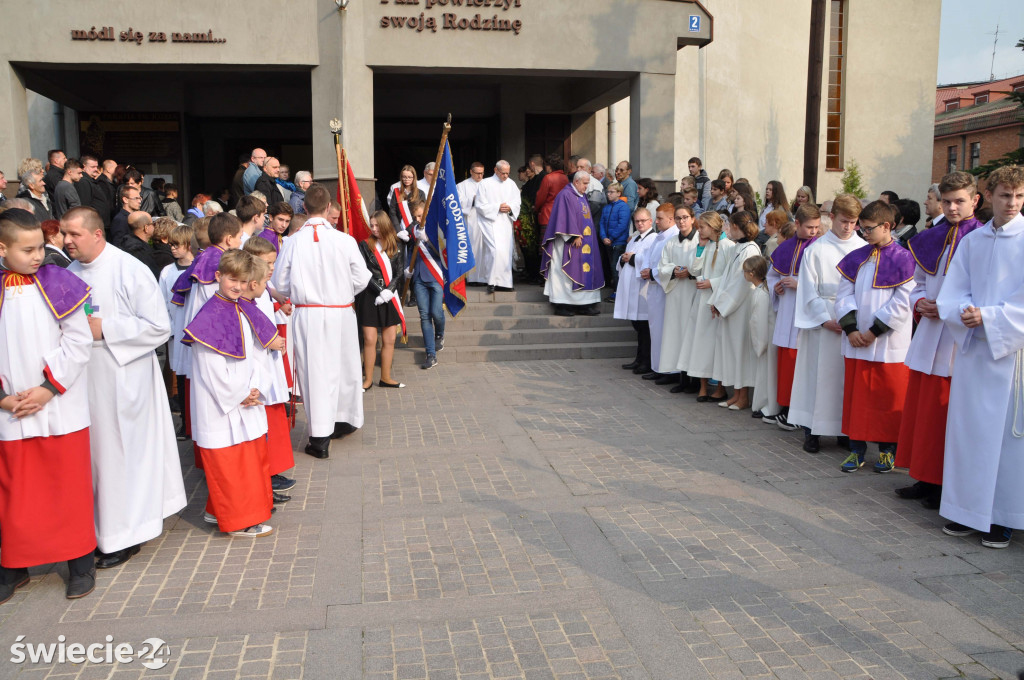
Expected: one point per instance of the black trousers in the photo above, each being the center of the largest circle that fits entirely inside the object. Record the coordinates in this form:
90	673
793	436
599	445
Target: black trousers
643	342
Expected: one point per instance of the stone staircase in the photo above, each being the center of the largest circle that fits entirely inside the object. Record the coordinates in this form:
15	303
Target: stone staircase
520	326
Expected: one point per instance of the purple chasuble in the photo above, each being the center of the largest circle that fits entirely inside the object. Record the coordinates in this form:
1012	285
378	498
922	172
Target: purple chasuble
63	291
787	257
272	236
928	246
894	264
218	325
570	216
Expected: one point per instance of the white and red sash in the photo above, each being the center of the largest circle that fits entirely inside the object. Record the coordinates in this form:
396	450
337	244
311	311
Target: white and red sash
429	262
385	268
403	208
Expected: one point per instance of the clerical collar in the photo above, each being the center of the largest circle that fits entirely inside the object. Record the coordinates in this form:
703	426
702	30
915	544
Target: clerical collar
642	235
745	239
687	237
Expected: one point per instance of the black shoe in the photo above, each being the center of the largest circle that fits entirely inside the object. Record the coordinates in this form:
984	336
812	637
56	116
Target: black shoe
678	389
114	559
812	443
631	365
642	369
281	483
653	375
179	434
915	491
843	442
933	500
757	414
80	585
589	310
701	398
12	580
997	537
957	529
667	380
319	447
342	429
724	397
281	498
490	290
561	310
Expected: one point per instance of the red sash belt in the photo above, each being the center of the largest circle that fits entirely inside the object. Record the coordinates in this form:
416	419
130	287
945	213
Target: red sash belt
326	306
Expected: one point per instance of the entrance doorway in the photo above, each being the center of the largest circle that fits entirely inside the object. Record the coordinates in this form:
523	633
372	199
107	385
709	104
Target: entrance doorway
549	133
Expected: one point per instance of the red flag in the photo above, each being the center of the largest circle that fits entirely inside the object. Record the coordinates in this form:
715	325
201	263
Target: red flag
358	221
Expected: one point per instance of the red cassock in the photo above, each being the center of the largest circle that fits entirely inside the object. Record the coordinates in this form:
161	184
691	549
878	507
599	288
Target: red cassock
787	367
279	439
922	440
282	330
240	492
874	393
46	501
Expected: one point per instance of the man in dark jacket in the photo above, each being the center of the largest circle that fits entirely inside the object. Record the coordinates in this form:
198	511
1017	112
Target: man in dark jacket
54	170
150	200
267	183
237	186
33	189
136	243
131	199
531	186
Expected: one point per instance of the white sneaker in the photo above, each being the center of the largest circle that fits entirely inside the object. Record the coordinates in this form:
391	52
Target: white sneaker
209	519
254	531
784	423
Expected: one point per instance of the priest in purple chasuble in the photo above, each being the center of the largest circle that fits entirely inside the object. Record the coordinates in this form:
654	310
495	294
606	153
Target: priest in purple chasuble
571	260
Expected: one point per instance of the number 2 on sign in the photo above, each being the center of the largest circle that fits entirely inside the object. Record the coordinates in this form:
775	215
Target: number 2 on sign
694	23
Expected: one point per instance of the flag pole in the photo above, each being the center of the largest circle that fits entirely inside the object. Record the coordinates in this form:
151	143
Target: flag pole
430	195
342	173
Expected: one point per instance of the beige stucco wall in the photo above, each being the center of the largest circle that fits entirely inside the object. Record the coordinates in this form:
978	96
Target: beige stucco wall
889	98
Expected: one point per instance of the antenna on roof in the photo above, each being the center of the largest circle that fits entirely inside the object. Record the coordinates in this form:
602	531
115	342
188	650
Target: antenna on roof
995	41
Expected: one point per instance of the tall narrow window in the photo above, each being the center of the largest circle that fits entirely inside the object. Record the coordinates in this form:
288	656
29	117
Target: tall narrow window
975	154
951	159
836	72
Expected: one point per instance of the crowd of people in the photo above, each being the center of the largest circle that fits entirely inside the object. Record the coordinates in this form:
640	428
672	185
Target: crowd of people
233	315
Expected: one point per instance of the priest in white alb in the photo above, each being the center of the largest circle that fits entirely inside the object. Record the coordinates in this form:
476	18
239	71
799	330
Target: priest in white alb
651	288
320	269
982	303
467	190
136	470
497	207
816	403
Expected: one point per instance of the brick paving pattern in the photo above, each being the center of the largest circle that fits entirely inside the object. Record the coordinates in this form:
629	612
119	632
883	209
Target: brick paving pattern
552	519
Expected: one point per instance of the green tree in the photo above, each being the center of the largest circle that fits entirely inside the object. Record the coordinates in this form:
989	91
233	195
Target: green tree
852	182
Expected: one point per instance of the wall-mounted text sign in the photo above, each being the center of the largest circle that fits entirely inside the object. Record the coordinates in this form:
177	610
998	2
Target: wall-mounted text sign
451	21
106	34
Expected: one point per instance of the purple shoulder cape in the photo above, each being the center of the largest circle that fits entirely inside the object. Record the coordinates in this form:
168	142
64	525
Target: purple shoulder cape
204	267
787	257
63	291
264	330
895	264
570	214
218	325
183	285
272	236
928	246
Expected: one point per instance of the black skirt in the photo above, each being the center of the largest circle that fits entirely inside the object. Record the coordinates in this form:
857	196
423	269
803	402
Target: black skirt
375	316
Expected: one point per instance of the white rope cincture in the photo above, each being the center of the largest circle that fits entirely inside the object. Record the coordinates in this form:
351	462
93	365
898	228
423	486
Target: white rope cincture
1018	394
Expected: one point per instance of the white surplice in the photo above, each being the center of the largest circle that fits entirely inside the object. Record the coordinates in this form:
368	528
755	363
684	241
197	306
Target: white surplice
328	364
33	340
168	276
628	303
219	386
735	362
761	326
785	308
272	361
932	348
983	471
817	398
891	306
467	190
710	266
679	295
558	287
651	288
494	260
136	470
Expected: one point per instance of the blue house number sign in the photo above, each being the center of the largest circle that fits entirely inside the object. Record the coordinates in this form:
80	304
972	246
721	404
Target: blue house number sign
694	23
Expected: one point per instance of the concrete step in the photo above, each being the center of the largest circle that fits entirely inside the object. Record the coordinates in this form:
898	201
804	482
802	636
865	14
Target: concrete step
534	336
515	323
519	309
521	294
406	355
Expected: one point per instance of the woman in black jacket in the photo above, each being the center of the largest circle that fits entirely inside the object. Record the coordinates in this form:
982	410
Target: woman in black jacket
378	307
54	244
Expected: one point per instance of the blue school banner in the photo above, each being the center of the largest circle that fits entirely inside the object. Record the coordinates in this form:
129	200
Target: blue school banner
446	229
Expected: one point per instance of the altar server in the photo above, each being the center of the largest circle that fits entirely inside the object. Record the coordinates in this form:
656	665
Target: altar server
628	302
665	224
680	291
708	267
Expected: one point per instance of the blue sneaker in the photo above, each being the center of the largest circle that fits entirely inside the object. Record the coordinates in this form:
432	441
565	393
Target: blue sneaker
853	462
886	461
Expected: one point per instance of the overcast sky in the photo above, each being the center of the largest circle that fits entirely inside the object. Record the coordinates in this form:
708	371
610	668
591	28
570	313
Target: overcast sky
965	44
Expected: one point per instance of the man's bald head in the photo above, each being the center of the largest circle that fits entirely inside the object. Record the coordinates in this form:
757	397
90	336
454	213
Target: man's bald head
583	164
258	156
139	220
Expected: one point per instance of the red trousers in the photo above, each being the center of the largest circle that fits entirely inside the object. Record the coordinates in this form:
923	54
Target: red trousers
873	400
46	501
922	440
786	368
239	481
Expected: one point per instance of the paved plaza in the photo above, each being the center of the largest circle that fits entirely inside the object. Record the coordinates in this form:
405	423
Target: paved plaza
553	519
